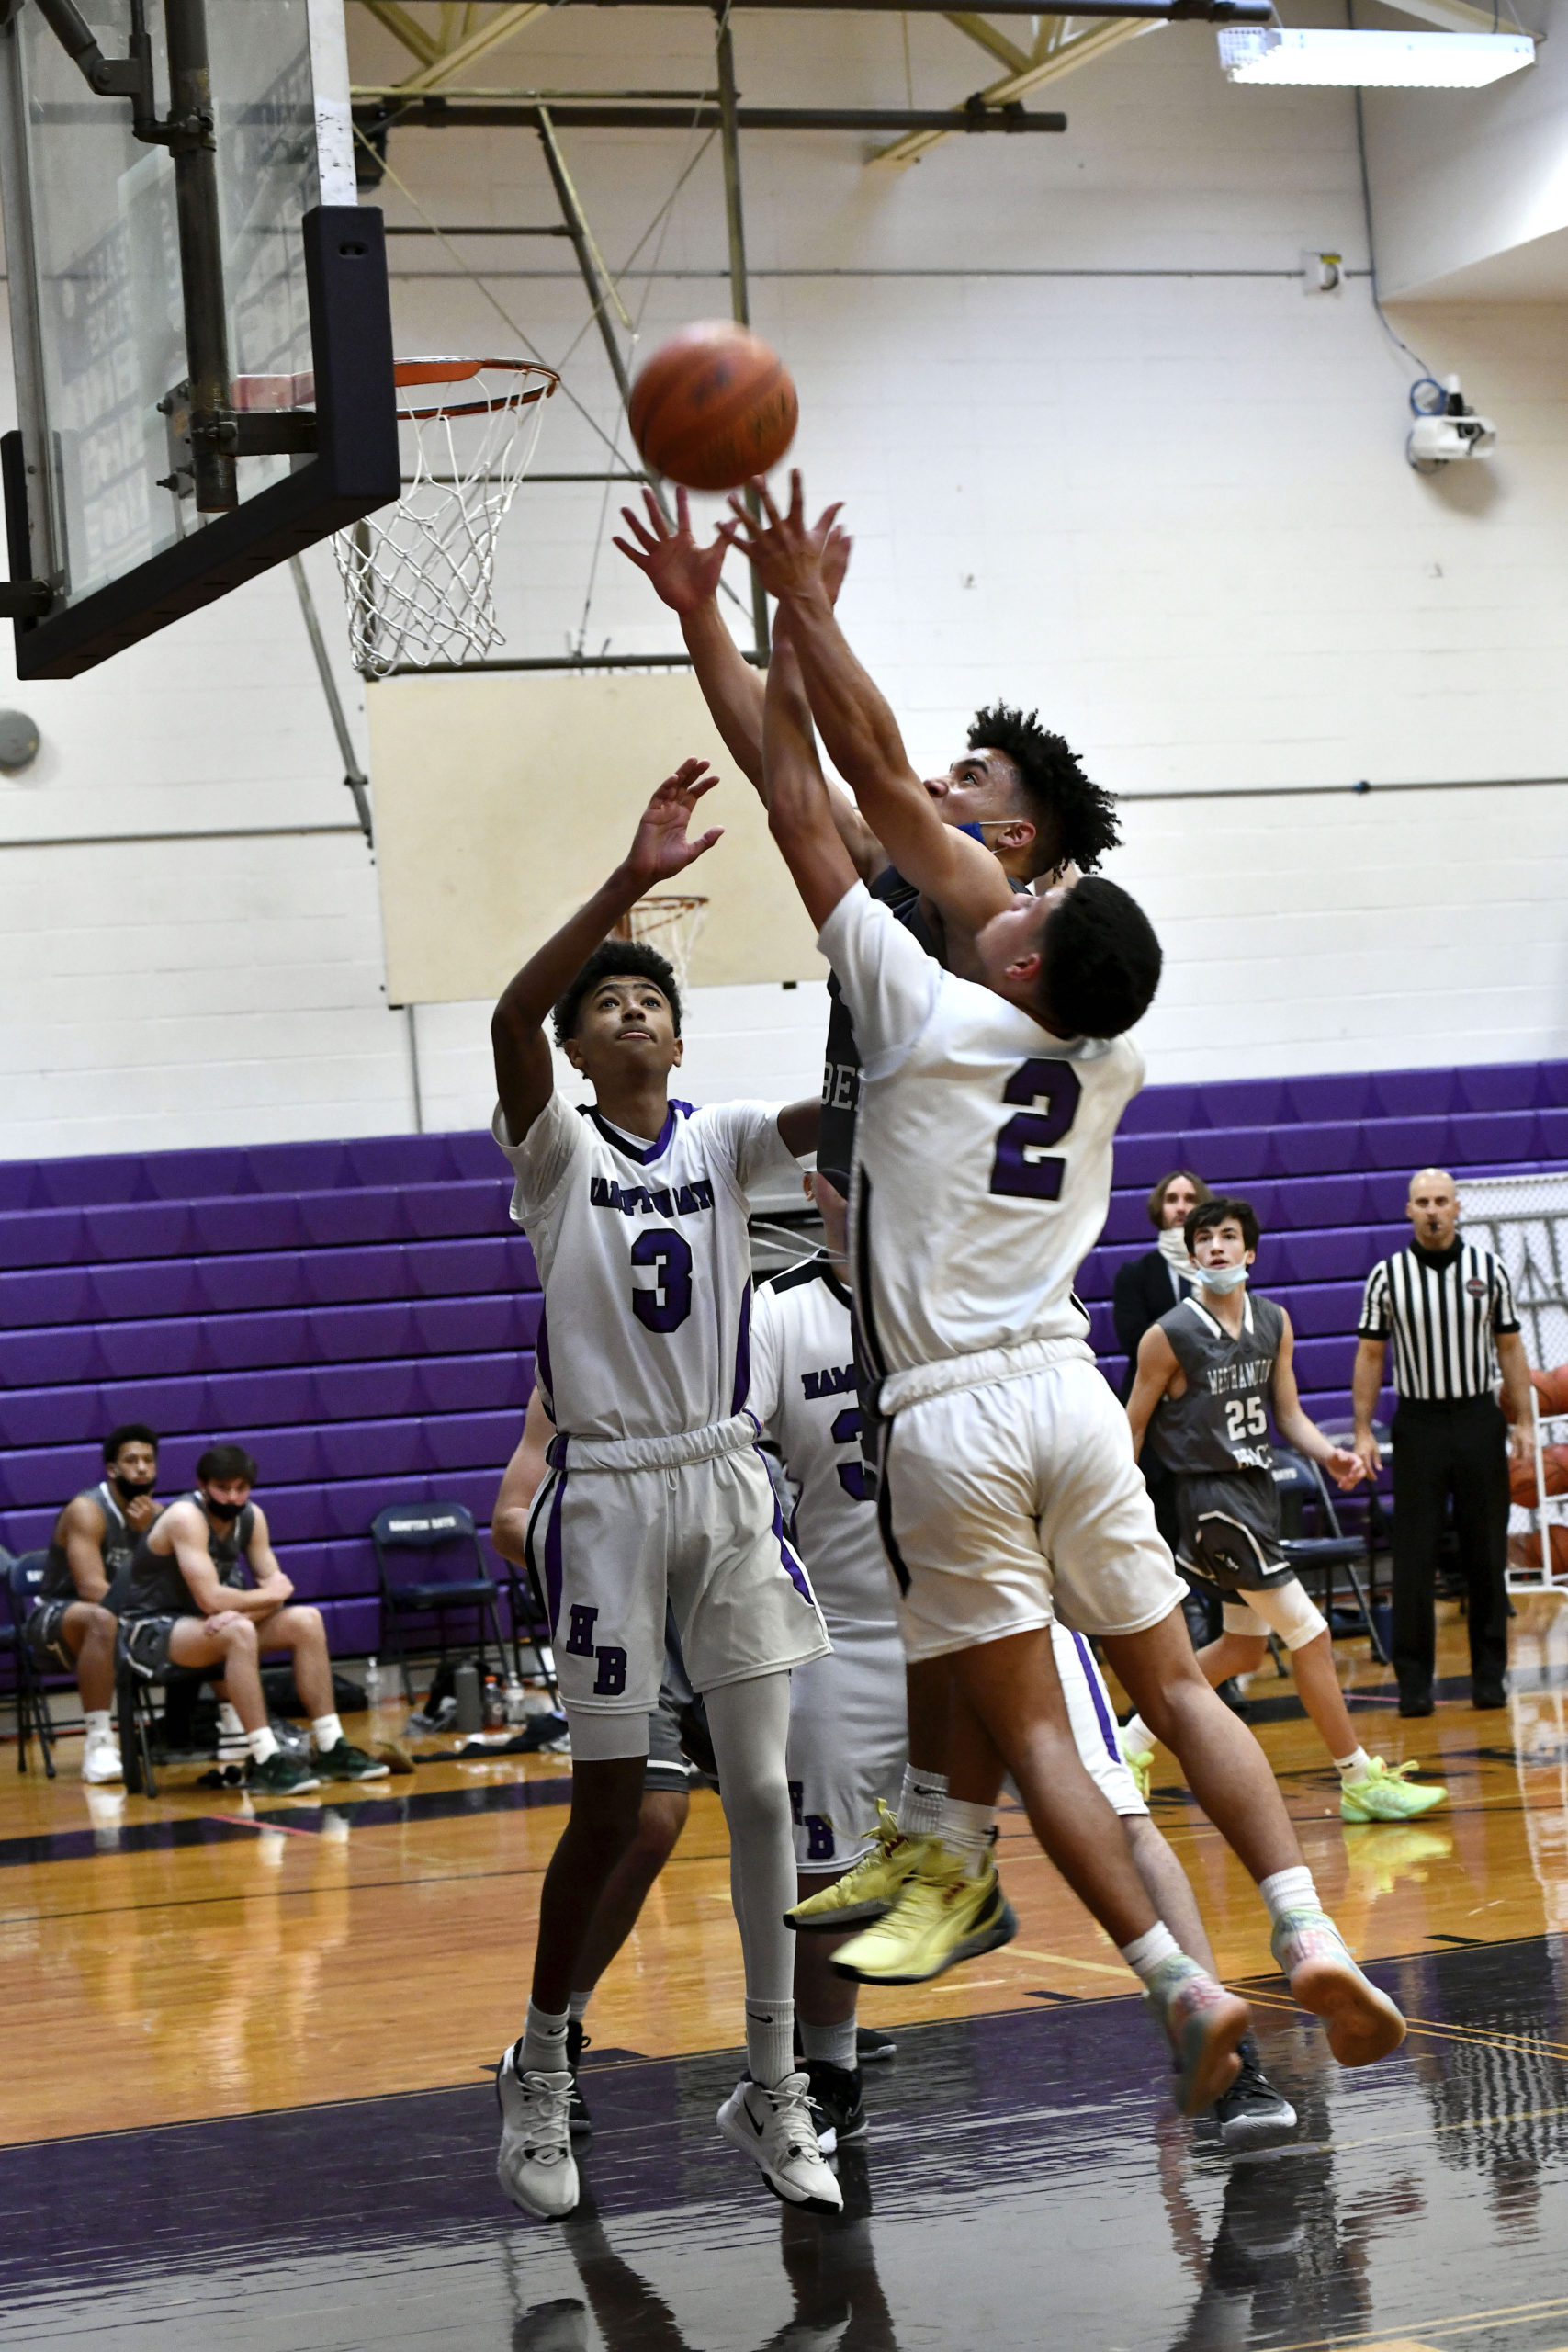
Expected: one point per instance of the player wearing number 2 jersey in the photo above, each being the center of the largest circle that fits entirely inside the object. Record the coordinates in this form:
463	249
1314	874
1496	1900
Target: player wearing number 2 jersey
657	1497
982	1173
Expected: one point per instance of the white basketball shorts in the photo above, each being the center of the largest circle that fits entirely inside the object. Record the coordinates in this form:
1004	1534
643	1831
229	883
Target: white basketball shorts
1006	1505
1094	1721
611	1546
849	1742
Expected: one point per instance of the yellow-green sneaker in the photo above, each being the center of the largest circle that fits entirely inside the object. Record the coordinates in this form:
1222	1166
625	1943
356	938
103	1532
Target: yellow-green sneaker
870	1889
1382	1792
1139	1761
942	1915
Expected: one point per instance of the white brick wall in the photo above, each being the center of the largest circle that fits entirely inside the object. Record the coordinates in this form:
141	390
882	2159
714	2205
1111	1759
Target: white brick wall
1173	510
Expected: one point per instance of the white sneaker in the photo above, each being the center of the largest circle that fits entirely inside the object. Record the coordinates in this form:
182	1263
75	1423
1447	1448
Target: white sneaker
775	2130
535	2162
100	1761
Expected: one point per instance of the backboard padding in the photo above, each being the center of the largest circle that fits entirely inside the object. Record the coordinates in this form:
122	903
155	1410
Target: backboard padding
503	801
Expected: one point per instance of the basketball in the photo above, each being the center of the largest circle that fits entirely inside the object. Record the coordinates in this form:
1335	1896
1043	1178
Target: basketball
713	406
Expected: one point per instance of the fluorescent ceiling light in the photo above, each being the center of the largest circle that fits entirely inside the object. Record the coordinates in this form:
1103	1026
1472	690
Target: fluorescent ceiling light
1400	61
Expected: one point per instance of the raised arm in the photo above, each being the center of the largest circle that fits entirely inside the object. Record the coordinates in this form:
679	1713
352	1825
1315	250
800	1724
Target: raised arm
1346	1468
799	816
686	576
525	1074
1157	1367
962	878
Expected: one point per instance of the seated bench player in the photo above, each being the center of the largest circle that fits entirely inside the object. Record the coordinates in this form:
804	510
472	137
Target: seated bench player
95	1539
185	1604
636	1206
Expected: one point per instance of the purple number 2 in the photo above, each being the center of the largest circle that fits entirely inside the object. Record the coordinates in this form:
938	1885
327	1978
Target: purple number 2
1024	1167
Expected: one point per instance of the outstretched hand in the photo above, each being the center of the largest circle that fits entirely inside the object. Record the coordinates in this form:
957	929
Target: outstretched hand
790	556
684	574
659	847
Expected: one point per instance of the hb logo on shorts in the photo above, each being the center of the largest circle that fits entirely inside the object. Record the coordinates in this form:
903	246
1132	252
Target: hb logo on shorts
611	1679
818	1828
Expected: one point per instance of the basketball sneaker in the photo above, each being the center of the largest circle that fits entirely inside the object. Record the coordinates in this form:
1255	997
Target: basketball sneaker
775	2130
943	1916
1203	2025
535	2163
1363	2024
282	1775
869	1890
835	2092
1252	2111
576	2041
343	1762
100	1762
1382	1792
1139	1760
872	2048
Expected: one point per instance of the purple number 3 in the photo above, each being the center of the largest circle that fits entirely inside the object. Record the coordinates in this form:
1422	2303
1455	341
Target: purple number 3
1024	1167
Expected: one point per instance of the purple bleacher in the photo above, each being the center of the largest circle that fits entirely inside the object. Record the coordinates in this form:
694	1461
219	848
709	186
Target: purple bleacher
363	1314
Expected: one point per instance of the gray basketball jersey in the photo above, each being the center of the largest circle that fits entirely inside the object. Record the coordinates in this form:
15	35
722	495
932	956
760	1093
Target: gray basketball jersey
157	1585
119	1545
1221	1420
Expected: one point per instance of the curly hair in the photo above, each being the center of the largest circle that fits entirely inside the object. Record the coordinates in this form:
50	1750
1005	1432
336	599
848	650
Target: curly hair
616	959
1102	962
1078	820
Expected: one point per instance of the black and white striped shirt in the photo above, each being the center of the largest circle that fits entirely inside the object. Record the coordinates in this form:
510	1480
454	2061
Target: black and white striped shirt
1443	1311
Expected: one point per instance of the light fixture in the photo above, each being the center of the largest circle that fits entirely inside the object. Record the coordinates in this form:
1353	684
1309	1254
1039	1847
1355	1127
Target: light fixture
1343	60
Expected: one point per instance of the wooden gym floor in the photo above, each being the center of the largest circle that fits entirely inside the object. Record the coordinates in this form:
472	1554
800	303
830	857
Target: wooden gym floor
333	1979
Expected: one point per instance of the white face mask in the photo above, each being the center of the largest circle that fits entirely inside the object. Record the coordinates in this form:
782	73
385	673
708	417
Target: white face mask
1174	1250
1223	1280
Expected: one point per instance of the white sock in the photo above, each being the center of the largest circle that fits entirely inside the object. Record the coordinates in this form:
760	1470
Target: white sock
919	1803
326	1731
262	1743
833	2045
1137	1734
97	1722
966	1829
770	2041
543	2042
1147	1955
1290	1889
1351	1767
577	2008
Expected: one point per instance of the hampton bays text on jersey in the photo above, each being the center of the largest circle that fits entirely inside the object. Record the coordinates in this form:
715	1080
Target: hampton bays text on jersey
1224	1379
638	1200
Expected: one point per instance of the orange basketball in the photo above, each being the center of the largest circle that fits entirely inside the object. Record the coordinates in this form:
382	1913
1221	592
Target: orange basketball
713	406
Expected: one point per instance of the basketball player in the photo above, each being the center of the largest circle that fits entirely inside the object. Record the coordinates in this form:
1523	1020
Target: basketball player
1208	1374
636	1211
847	1733
185	1605
667	1774
93	1539
983	1158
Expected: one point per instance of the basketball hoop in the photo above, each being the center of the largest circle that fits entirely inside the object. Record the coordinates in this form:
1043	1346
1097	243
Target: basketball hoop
669	924
421	575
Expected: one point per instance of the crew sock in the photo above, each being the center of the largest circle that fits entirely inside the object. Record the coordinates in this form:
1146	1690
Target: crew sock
262	1743
326	1731
97	1722
1139	1736
1147	1953
1351	1767
770	2041
966	1829
1291	1890
577	2008
232	1742
833	2045
919	1803
542	2047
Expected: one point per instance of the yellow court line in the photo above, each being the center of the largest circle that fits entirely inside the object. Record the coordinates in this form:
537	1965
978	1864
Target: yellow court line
1063	1960
1523	2042
1457	2323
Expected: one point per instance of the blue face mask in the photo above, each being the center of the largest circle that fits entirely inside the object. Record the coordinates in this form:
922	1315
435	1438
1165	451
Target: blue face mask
975	833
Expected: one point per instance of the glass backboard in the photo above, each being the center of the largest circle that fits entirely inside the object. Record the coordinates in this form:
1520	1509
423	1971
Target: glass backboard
182	245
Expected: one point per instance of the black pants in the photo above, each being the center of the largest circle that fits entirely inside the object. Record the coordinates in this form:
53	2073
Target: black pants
1438	1451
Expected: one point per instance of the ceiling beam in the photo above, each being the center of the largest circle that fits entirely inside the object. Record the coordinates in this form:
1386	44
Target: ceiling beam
404	27
418	110
1016	60
1059	52
502	25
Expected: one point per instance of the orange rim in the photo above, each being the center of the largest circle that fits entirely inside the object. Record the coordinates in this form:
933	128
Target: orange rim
408	373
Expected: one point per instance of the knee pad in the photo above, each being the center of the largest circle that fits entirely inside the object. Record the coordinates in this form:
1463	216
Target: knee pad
1287	1610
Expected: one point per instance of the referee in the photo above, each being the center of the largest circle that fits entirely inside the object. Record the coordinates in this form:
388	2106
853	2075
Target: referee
1449	1309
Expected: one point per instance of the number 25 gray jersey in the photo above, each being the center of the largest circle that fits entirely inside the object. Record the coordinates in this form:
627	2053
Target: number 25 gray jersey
983	1153
643	1253
1220	1423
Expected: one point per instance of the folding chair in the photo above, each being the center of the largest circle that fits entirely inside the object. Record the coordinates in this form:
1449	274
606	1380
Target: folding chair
428	1529
24	1578
1303	1487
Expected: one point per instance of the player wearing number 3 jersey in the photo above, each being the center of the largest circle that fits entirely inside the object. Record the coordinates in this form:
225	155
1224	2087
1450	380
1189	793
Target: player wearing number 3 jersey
657	1497
983	1157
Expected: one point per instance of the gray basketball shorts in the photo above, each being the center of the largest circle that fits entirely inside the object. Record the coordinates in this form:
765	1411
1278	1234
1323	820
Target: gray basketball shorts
47	1641
1229	1525
144	1644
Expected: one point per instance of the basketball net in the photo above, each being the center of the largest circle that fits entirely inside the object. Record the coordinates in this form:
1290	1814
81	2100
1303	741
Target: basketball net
670	924
420	576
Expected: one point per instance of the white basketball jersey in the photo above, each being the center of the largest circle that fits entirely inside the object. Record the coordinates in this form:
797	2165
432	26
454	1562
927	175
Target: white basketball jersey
647	1269
804	1393
983	1152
